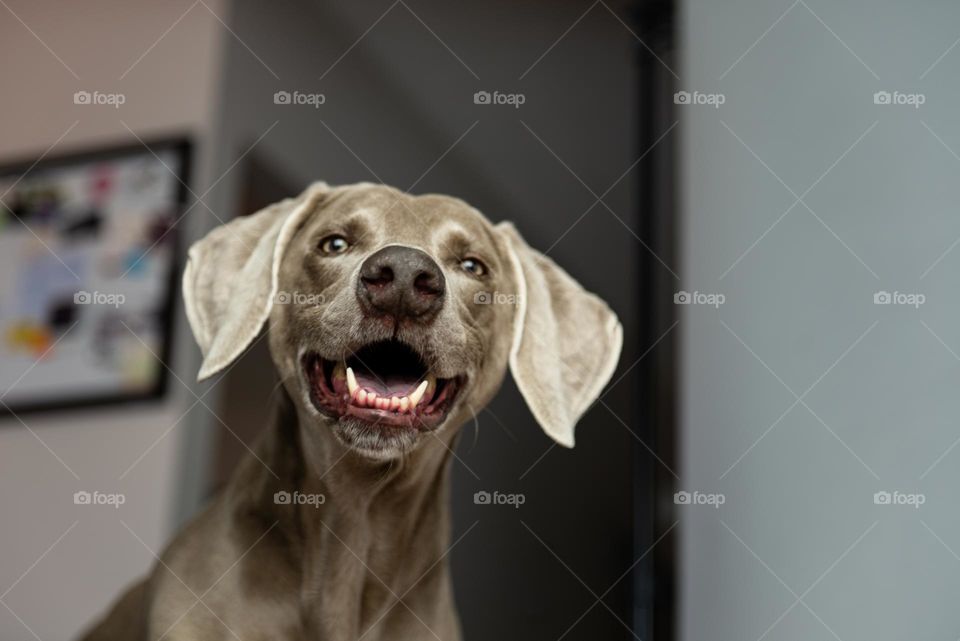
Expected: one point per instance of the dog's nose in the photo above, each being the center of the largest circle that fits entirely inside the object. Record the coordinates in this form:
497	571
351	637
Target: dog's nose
402	282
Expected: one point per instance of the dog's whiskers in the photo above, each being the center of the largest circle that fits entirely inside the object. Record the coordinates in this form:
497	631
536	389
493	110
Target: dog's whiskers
476	426
276	387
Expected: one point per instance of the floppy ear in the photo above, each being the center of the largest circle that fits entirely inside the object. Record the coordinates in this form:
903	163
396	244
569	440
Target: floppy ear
566	341
230	280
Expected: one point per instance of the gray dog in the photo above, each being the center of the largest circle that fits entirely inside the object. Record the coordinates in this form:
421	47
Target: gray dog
392	320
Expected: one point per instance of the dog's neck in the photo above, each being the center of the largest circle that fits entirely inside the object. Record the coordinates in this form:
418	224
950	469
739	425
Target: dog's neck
370	537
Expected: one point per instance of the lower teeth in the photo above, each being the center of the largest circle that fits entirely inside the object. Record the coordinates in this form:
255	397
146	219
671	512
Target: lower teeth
398	404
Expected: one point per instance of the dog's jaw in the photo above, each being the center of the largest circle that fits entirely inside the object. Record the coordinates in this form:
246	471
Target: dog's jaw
377	412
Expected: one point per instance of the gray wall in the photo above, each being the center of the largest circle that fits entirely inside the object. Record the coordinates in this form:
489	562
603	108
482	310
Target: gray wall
800	519
399	100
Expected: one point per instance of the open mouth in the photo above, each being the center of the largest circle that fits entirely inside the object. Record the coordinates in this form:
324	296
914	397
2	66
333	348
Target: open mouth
384	383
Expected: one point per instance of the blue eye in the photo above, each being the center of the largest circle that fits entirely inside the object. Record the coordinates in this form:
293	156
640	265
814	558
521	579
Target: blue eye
334	244
473	266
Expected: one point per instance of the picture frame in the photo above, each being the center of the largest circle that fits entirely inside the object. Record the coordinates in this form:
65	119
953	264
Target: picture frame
104	222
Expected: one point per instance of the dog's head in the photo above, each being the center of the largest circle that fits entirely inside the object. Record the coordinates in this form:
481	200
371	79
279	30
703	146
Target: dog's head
393	317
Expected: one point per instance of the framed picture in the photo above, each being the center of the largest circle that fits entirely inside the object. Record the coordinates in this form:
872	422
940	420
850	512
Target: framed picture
88	265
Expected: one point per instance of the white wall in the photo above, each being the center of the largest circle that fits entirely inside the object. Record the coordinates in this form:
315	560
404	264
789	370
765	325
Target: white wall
801	498
171	90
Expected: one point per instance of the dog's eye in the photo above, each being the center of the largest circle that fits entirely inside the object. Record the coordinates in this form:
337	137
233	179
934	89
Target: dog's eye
334	244
473	266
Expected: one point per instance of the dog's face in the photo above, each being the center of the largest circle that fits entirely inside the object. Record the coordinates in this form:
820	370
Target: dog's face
394	317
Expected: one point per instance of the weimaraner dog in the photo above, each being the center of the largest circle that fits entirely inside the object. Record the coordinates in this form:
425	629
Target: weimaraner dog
392	320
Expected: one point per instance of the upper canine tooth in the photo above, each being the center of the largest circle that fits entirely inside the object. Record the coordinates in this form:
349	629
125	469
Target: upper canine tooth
417	394
351	382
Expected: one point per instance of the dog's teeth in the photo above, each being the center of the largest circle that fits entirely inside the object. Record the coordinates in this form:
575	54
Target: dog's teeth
431	385
417	394
369	398
352	386
338	371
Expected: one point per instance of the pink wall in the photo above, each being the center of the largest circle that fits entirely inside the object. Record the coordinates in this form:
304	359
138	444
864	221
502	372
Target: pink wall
57	590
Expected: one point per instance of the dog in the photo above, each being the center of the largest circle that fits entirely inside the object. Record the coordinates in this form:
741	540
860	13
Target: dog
392	319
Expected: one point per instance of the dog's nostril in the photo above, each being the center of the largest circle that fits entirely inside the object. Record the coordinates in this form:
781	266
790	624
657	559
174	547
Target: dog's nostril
380	277
428	284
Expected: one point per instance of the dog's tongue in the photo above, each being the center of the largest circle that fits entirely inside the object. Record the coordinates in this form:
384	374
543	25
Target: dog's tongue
386	386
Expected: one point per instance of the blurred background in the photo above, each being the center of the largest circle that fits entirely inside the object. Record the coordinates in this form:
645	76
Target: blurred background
765	192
